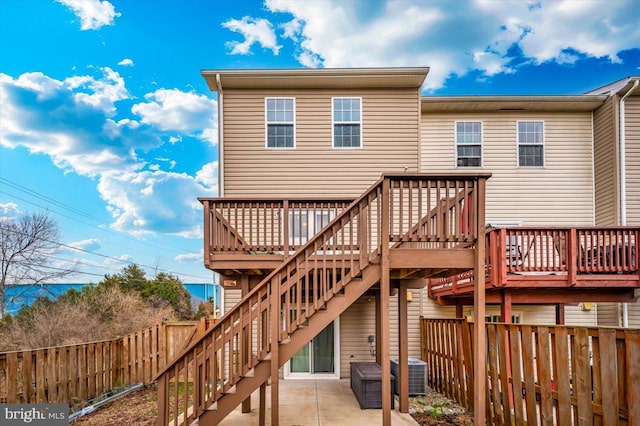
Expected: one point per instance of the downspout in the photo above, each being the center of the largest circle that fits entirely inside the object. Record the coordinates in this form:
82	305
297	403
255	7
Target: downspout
623	183
220	137
220	165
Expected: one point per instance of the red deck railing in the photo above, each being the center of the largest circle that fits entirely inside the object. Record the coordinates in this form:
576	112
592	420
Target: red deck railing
514	253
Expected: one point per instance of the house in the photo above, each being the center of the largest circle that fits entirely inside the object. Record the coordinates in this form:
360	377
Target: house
297	147
617	174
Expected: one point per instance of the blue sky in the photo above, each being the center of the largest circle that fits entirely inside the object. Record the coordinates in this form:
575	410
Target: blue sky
107	123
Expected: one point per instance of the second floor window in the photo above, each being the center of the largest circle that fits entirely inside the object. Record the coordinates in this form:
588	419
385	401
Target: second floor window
530	144
280	122
468	143
347	122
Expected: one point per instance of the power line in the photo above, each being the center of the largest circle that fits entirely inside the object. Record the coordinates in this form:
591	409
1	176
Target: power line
105	256
46	198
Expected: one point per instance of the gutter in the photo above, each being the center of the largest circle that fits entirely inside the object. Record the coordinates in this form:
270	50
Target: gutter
623	182
220	161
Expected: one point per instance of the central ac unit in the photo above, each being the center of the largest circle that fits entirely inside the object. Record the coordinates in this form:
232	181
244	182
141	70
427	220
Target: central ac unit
417	376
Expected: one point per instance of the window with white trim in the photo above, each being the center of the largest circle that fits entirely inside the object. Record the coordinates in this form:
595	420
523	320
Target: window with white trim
468	143
530	144
280	122
347	122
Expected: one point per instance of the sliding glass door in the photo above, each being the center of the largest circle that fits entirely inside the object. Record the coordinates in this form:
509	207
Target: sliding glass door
318	357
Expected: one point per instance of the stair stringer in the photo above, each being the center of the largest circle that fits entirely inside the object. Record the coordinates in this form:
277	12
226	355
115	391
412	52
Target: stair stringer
335	306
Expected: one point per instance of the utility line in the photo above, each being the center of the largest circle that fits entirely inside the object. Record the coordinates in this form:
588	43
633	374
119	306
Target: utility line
72	209
105	256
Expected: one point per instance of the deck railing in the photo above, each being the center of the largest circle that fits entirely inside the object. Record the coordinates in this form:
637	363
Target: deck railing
307	280
265	225
573	252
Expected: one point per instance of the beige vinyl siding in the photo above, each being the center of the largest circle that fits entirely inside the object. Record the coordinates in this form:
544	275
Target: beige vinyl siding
560	193
431	309
606	163
231	298
358	322
314	168
632	144
582	314
543	314
609	315
633	312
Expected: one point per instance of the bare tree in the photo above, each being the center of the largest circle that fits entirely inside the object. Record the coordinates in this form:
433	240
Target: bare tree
26	244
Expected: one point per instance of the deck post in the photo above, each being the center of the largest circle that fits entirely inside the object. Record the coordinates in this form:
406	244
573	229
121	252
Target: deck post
385	361
378	329
459	311
402	382
479	338
285	227
505	307
263	406
275	347
244	286
560	314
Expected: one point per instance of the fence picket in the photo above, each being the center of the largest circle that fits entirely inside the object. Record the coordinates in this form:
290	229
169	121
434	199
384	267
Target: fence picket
76	373
558	374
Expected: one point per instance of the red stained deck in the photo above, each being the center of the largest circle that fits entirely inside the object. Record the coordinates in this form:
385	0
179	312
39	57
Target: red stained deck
552	265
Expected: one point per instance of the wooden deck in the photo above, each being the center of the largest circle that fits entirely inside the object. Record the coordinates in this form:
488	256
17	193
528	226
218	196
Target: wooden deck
430	225
295	258
552	265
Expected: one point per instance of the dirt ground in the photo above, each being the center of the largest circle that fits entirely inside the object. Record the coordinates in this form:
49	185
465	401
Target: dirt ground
139	408
435	409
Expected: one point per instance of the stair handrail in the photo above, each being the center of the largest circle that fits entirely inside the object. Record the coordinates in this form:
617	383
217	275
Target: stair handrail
227	335
224	338
279	269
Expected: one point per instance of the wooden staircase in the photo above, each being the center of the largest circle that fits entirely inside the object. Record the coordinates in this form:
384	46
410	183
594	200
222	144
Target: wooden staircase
311	288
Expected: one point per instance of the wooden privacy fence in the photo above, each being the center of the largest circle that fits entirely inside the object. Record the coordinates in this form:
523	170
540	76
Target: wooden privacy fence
540	374
76	373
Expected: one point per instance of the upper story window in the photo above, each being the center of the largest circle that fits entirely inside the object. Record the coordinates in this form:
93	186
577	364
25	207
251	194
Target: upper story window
347	122
280	122
530	144
469	143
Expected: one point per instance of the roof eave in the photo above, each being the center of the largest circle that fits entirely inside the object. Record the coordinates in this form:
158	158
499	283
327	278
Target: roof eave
316	78
511	103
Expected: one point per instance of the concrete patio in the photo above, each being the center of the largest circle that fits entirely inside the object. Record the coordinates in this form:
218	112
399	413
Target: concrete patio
315	402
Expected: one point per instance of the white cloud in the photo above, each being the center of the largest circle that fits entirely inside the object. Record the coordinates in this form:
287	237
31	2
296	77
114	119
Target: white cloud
453	38
69	120
118	260
91	244
93	14
102	93
254	30
126	62
175	110
9	209
208	176
154	201
190	257
73	122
